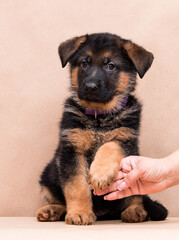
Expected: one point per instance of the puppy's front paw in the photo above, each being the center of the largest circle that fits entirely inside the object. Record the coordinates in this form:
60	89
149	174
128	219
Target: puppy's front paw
105	165
50	213
101	176
80	218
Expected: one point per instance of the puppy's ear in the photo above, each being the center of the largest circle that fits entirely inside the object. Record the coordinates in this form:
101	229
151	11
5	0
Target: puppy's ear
69	47
141	58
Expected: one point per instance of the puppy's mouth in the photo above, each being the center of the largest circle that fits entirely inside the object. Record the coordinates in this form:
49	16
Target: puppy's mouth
98	97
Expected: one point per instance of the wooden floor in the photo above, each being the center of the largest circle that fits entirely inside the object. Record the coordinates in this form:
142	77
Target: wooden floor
18	228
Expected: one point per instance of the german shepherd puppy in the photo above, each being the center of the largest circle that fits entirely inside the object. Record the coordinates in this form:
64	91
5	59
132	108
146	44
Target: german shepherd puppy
99	127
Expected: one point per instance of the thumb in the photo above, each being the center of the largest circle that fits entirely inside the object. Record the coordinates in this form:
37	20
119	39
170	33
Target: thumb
129	179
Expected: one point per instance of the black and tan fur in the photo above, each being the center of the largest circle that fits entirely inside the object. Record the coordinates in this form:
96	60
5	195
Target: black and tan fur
103	71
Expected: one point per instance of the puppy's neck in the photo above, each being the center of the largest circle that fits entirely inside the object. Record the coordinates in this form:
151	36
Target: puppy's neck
96	112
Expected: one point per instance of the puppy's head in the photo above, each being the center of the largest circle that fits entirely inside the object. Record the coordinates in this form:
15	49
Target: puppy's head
103	68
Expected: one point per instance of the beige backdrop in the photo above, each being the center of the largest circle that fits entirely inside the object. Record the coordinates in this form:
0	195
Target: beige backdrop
34	86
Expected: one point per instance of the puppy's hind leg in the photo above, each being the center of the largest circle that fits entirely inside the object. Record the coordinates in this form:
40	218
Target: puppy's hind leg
135	211
51	212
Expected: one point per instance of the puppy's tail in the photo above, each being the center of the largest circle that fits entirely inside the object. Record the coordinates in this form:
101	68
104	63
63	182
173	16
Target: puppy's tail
156	211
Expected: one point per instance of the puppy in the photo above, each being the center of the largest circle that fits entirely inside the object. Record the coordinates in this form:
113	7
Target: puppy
99	127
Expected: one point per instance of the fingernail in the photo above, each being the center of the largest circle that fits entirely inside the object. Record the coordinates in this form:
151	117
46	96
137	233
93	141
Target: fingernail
122	186
119	189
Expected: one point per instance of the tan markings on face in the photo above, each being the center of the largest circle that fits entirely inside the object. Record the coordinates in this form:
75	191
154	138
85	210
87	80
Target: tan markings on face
124	80
47	195
135	212
105	165
74	77
99	59
106	54
89	53
101	106
83	140
78	197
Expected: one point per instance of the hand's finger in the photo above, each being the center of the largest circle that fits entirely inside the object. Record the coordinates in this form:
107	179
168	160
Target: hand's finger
120	175
102	192
129	179
128	163
113	187
118	194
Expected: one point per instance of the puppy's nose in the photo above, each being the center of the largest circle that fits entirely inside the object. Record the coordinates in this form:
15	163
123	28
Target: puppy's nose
90	87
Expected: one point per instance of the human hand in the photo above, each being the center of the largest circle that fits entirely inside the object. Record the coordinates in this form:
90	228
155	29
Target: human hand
137	175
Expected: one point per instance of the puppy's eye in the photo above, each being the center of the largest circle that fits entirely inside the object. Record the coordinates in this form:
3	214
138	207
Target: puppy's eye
84	64
110	66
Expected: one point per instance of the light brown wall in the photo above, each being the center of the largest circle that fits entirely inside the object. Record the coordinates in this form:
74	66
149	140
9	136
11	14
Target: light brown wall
33	84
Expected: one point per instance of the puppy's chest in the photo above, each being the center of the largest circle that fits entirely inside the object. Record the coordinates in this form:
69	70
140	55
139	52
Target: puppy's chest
95	135
103	123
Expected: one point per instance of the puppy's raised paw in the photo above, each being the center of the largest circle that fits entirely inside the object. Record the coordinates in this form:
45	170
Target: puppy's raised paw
105	166
100	177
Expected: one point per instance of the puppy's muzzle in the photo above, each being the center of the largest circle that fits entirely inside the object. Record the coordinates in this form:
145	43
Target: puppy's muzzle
90	88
